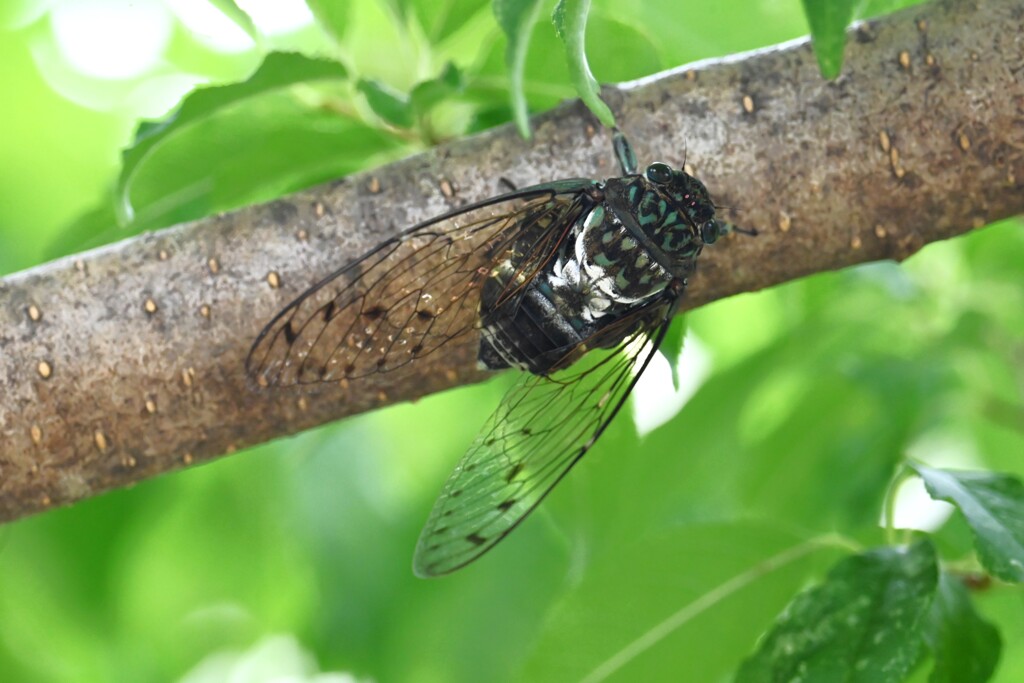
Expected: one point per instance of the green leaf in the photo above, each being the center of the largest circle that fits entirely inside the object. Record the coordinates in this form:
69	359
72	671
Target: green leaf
517	19
672	346
331	15
570	19
391	105
429	93
993	505
404	110
874	8
616	38
92	228
965	646
685	584
438	20
828	20
256	151
277	71
232	11
864	624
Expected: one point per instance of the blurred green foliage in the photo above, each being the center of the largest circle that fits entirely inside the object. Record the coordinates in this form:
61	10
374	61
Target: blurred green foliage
293	559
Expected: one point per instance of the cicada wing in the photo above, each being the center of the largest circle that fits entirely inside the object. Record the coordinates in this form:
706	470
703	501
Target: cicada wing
412	293
542	427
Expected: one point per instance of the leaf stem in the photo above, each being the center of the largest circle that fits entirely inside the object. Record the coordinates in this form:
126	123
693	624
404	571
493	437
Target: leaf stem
717	594
570	18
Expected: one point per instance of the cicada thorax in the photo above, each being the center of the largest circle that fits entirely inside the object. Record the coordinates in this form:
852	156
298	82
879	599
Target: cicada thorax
667	217
624	251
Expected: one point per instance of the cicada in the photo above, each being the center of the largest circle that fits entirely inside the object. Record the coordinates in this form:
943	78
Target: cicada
543	275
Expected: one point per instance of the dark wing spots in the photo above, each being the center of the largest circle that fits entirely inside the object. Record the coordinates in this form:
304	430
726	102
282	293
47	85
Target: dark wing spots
514	472
541	429
373	306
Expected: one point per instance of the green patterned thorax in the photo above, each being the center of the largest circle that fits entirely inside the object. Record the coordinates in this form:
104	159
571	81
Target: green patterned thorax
670	215
641	234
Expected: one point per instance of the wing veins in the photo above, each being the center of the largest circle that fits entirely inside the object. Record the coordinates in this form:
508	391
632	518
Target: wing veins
289	350
495	488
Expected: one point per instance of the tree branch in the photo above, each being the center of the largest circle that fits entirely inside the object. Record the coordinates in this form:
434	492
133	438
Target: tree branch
127	361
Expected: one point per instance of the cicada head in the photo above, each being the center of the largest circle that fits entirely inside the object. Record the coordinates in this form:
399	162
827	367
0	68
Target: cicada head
675	211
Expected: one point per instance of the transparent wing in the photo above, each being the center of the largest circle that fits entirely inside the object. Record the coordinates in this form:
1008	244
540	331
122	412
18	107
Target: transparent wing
543	426
412	293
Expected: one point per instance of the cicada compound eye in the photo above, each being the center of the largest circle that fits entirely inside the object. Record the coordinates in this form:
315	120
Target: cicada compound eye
711	230
659	173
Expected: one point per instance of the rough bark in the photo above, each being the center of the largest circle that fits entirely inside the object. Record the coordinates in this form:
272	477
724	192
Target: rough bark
127	361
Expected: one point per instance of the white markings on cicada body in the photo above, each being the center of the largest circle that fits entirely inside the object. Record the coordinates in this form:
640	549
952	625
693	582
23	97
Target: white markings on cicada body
565	274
